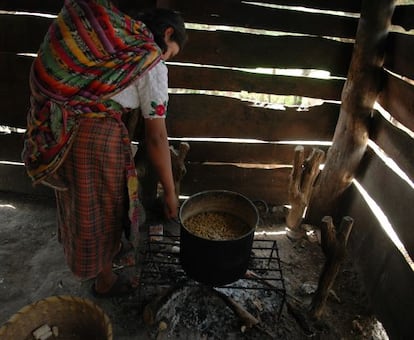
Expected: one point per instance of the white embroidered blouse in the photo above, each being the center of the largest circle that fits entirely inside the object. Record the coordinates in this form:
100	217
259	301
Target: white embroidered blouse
149	92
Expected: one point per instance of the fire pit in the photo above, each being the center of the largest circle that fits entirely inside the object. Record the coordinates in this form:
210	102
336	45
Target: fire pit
174	300
217	231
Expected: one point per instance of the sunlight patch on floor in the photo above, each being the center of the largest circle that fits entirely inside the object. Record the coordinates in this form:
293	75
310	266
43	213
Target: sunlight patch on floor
7	206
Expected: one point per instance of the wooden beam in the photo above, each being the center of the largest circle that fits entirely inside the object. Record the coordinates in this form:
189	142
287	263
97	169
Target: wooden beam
397	98
386	276
398	54
215	79
234	49
251	15
358	98
403	16
397	144
335	5
214	116
392	194
269	185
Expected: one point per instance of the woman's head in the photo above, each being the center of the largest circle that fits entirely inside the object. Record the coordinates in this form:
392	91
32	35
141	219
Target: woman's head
167	28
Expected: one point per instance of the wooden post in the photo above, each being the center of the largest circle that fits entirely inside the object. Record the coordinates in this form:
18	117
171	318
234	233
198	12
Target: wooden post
334	247
302	179
358	97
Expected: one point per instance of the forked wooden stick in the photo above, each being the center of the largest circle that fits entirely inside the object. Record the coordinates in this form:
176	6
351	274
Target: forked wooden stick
302	179
334	247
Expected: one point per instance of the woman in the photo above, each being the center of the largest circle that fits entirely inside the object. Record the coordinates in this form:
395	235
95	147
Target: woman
94	65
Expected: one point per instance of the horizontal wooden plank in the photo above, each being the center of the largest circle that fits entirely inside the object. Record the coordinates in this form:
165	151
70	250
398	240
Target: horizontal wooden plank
207	78
257	184
352	6
397	97
235	49
27	33
386	276
13	178
396	143
213	116
392	194
404	16
229	13
54	6
398	56
225	152
253	15
231	49
14	89
40	6
253	153
11	147
268	185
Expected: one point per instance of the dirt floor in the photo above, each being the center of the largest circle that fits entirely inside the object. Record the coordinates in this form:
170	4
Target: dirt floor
32	267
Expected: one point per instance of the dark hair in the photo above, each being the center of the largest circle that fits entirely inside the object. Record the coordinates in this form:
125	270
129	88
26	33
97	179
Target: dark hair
158	20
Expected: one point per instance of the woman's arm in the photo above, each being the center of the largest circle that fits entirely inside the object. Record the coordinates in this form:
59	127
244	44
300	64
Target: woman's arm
156	139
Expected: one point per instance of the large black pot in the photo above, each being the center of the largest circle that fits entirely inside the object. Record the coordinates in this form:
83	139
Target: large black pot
217	262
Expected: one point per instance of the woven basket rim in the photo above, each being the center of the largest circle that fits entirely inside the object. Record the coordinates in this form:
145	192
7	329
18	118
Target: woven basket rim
49	301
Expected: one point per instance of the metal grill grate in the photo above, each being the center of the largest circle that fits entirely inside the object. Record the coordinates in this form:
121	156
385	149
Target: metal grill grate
161	268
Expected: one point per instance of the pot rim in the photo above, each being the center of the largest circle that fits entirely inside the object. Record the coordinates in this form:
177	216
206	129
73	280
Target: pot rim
251	230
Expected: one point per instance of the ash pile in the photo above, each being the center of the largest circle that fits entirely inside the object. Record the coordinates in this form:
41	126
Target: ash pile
178	307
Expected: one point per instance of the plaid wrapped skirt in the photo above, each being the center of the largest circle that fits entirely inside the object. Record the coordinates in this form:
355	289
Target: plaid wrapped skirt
92	212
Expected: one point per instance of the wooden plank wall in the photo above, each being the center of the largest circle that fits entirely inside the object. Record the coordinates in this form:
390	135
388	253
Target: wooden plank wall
388	275
215	60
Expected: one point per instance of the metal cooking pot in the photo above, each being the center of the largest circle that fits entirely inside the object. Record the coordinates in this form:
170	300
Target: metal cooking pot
217	262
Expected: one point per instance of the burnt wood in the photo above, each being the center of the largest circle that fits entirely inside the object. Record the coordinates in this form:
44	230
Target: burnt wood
392	194
398	54
208	78
387	278
397	98
256	184
358	98
248	15
397	144
213	116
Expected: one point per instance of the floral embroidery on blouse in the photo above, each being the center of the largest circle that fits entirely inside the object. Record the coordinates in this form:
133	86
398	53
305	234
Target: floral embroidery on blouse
158	109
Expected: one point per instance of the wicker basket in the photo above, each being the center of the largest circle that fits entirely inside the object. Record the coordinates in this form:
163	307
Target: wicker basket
70	317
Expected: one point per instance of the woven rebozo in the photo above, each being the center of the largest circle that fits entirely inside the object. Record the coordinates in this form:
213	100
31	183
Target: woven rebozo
70	317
